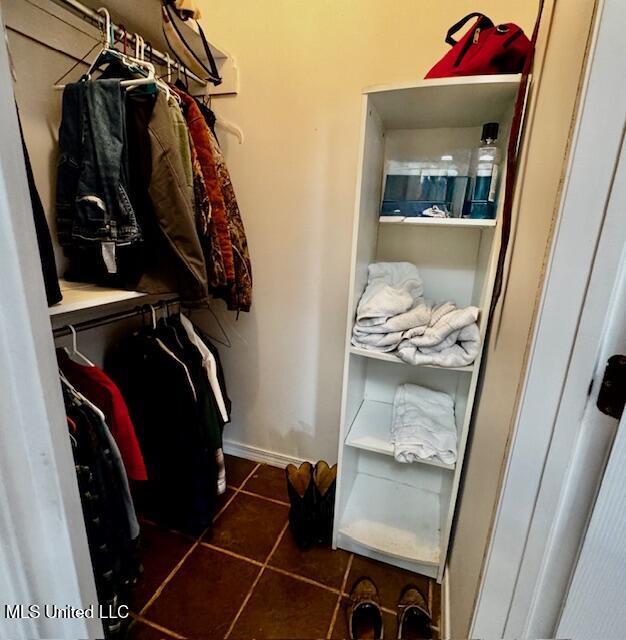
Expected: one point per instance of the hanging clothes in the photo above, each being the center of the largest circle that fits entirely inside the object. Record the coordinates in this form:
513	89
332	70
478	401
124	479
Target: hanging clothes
99	389
172	205
108	510
201	136
92	203
174	336
206	226
238	294
44	242
184	148
144	197
170	415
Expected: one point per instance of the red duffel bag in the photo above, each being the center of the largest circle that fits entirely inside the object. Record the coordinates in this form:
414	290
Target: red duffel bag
484	49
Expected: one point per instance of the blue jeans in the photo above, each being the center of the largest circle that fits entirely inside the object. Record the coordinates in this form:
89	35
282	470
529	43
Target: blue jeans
92	202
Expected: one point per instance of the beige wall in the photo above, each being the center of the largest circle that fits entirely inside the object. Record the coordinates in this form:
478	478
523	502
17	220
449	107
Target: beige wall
558	67
302	67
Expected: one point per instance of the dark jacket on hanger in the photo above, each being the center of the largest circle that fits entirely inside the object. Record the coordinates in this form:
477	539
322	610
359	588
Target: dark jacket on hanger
163	403
175	337
44	242
112	545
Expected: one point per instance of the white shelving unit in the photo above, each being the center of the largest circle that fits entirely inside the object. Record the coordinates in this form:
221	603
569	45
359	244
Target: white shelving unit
402	513
436	222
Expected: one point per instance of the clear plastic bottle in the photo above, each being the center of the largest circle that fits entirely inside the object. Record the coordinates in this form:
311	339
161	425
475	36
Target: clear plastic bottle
487	169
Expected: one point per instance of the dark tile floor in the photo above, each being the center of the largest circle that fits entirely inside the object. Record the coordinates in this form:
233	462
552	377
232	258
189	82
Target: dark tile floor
247	579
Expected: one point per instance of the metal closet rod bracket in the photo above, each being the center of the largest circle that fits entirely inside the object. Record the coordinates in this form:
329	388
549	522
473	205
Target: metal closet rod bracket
111	318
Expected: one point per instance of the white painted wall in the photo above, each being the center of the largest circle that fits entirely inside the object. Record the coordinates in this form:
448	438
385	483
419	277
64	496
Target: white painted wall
302	68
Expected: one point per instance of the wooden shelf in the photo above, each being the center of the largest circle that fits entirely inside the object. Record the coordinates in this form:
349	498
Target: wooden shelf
437	222
390	357
78	296
397	520
371	431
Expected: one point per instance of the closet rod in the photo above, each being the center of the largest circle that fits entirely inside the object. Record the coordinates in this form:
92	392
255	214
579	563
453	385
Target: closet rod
93	16
102	321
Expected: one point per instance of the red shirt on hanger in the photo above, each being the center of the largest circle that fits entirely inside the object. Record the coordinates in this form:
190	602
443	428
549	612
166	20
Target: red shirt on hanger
98	388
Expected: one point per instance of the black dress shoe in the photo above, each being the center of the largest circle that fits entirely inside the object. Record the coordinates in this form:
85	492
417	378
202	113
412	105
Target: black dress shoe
365	617
325	479
413	615
303	509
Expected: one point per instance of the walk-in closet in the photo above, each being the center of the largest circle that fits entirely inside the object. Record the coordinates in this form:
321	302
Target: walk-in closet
271	273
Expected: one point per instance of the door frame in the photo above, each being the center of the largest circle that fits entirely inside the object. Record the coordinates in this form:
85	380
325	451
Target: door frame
513	599
44	555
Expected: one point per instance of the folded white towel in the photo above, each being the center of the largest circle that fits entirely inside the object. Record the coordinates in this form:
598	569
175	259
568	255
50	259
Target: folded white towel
416	318
392	288
460	353
383	342
392	316
423	425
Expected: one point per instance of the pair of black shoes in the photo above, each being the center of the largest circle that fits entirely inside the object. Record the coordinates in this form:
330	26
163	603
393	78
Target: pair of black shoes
312	497
365	616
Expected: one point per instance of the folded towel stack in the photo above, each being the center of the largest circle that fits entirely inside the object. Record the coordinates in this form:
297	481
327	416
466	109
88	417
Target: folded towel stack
392	315
423	426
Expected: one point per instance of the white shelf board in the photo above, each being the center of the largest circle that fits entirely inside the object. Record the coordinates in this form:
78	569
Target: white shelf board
371	430
468	101
395	519
81	296
437	222
390	357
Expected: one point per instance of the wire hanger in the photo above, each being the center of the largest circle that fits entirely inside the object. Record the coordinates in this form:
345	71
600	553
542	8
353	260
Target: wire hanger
226	342
109	52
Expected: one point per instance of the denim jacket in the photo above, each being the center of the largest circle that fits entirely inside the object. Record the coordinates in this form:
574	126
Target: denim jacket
92	202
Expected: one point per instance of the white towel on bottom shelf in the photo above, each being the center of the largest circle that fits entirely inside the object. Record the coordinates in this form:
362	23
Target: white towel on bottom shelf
423	425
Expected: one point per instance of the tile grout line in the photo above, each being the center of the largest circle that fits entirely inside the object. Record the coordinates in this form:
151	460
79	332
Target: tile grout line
173	572
236	490
333	620
154	625
232	554
258	495
169	576
310	581
256	581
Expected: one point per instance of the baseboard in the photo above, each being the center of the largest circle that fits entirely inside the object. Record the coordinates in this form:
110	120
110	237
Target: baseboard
445	605
273	458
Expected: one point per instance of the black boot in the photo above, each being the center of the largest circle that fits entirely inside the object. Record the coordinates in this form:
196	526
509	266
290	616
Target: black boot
325	479
302	512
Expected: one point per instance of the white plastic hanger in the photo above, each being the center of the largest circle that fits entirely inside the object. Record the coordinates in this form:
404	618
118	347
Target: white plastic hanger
231	127
75	353
168	61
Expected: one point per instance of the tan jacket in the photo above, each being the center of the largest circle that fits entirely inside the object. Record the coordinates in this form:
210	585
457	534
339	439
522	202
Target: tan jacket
173	209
